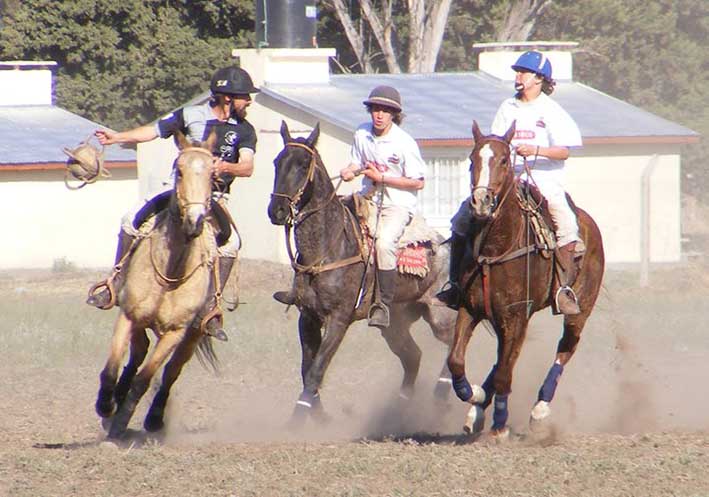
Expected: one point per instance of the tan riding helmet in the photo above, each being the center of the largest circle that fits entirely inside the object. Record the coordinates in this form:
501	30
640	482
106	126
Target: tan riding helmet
85	163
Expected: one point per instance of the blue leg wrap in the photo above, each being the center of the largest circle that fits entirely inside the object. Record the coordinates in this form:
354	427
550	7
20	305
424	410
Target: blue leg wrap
499	416
546	393
462	388
488	387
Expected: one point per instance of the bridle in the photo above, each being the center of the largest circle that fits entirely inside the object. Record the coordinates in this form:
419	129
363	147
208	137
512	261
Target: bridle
296	215
182	205
496	201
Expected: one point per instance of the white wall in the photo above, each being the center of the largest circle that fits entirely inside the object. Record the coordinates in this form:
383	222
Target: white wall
43	221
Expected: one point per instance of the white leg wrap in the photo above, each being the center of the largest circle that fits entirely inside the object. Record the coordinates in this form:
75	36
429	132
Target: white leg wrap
475	420
540	411
478	395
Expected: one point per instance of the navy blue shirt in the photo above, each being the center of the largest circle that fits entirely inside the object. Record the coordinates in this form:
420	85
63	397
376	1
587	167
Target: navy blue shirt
197	122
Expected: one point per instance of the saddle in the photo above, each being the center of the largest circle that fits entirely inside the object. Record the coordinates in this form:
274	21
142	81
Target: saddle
417	239
534	204
160	202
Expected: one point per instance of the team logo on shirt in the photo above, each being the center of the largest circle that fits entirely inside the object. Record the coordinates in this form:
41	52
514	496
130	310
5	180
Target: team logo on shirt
394	159
231	137
524	134
540	123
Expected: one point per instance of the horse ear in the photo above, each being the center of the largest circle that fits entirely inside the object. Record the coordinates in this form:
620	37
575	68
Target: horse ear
477	134
181	140
314	134
285	133
510	132
211	141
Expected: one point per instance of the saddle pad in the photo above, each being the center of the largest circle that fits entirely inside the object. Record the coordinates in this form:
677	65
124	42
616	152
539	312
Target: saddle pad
412	260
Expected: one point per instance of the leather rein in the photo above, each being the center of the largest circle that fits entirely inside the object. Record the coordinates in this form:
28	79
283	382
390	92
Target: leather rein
297	216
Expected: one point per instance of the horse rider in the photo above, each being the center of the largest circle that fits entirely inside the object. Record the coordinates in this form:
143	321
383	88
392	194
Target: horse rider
225	113
544	135
393	170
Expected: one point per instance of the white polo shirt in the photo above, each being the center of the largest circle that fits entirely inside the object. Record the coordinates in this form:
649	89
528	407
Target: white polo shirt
396	154
540	122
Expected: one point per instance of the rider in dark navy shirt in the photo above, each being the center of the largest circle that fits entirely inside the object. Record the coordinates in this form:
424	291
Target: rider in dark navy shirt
225	112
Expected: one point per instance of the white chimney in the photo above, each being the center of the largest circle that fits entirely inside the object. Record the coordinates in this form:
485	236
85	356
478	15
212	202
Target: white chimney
286	65
496	58
25	82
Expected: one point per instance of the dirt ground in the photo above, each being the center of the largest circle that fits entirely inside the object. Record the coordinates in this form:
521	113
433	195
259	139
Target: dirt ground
631	415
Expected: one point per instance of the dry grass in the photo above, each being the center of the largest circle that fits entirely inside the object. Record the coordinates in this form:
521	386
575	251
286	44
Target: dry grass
630	412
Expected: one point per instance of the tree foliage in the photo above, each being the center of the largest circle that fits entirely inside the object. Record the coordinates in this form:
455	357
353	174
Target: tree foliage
125	63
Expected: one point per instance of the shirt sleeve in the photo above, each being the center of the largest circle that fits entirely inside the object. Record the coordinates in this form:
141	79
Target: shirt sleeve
564	132
414	166
499	123
248	138
169	124
356	150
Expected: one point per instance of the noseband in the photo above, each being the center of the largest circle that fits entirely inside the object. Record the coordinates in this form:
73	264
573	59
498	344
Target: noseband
182	205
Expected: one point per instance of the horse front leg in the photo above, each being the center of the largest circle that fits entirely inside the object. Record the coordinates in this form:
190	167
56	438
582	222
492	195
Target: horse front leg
139	345
105	403
165	346
317	354
464	326
510	337
154	419
573	326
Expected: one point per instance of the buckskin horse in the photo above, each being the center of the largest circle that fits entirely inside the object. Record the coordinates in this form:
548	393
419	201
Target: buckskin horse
167	282
509	280
330	268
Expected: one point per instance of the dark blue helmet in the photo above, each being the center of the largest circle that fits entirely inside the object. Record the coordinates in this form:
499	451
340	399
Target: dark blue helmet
534	61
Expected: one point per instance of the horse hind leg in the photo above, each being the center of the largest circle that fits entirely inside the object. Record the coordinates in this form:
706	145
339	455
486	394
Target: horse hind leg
154	419
122	333
573	326
398	338
165	346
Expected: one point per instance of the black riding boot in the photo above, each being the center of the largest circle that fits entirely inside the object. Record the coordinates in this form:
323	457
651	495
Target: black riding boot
215	325
286	297
105	299
450	294
379	311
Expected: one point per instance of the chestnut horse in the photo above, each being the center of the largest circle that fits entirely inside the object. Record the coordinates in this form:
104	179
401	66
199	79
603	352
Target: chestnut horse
167	282
510	280
330	269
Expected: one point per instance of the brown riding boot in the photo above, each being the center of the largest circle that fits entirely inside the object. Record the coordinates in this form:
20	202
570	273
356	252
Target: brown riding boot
106	297
286	297
450	294
565	297
215	324
379	311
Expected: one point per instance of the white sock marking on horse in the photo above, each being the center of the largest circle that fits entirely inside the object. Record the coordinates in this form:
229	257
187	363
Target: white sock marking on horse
304	403
445	380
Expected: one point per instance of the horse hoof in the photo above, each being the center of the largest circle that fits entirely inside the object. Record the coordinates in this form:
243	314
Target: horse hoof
105	408
475	420
500	435
540	412
153	423
219	334
106	424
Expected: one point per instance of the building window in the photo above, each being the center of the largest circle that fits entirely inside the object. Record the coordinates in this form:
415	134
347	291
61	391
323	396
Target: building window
446	187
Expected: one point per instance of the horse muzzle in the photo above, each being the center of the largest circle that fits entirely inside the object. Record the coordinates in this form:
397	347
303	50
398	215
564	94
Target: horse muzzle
193	221
278	213
482	202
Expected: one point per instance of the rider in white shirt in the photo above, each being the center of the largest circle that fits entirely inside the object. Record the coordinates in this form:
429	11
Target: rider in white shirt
544	135
393	170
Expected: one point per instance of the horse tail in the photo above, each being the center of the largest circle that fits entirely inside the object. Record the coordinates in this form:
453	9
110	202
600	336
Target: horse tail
207	356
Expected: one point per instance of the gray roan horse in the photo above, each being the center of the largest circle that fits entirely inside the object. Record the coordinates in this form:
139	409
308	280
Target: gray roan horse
167	282
329	269
510	281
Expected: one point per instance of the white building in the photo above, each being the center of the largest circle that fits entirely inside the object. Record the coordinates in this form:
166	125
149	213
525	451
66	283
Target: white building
43	220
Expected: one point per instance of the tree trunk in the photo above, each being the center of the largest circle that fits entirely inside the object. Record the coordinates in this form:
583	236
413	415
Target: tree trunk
520	20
